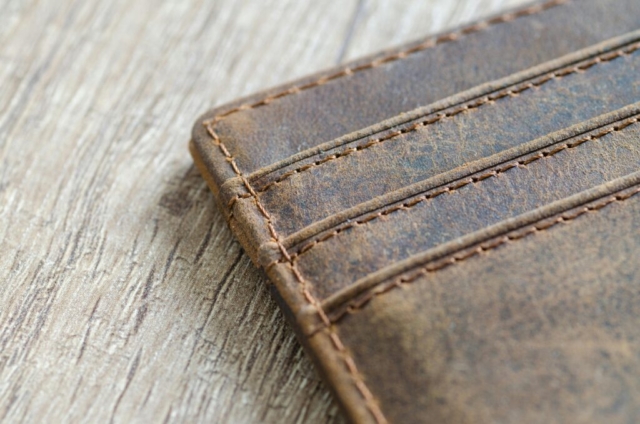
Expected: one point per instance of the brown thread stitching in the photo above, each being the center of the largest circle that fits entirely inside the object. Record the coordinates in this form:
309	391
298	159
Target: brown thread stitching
471	105
453	187
453	36
358	381
431	42
485	246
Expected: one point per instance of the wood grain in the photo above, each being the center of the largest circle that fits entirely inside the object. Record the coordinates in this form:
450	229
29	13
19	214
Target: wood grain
124	297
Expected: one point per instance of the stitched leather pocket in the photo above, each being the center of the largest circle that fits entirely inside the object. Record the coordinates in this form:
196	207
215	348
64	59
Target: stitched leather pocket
568	93
535	326
456	208
374	235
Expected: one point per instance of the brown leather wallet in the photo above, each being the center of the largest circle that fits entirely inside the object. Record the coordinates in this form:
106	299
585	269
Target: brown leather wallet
452	227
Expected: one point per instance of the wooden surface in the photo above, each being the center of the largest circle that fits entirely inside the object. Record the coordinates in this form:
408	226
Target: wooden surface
124	297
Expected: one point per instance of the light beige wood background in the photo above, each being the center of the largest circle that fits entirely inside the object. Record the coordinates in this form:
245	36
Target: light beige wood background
123	296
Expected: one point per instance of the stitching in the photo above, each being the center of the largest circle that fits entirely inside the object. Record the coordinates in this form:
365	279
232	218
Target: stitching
485	246
490	99
349	363
471	180
427	44
209	124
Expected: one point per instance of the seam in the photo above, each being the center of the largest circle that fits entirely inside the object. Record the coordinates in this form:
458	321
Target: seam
471	180
425	45
337	344
368	398
468	106
355	305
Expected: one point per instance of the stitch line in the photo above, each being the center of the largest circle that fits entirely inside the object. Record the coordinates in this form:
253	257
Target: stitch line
368	397
471	180
468	106
427	44
454	258
349	363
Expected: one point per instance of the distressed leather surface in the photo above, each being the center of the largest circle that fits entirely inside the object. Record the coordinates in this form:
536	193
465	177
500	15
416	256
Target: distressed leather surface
261	135
542	330
453	230
413	229
451	142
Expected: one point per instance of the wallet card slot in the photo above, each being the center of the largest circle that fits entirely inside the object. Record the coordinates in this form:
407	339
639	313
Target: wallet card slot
509	118
271	126
268	177
444	214
543	329
480	242
470	173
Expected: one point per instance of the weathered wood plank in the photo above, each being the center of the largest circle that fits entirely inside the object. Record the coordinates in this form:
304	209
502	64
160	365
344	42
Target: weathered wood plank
124	296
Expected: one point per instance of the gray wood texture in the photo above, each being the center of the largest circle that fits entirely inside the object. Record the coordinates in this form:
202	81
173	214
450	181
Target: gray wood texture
124	296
